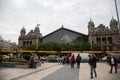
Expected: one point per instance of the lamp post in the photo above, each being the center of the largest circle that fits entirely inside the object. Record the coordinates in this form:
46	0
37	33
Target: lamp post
91	41
37	44
62	42
59	52
117	17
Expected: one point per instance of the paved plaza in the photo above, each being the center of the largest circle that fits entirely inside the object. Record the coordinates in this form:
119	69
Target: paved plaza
54	71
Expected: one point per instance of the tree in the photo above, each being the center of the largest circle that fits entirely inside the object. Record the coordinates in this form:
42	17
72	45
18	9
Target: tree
76	46
26	57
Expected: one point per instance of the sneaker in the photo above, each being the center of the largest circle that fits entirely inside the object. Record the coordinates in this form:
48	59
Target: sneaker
95	75
91	77
110	72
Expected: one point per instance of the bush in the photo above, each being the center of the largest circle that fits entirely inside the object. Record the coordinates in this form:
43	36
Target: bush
26	56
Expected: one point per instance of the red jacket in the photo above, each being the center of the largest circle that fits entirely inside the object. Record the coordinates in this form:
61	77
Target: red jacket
72	58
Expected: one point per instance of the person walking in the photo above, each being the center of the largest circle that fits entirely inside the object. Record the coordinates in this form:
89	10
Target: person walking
64	59
58	59
61	60
78	60
31	62
92	62
113	63
36	59
67	61
72	61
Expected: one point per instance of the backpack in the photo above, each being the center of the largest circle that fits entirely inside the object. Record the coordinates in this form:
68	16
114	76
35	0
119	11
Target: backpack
78	58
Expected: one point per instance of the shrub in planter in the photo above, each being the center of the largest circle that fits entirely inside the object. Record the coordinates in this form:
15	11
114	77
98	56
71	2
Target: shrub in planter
26	57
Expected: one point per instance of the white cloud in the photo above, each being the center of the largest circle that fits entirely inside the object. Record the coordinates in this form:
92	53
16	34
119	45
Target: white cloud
18	3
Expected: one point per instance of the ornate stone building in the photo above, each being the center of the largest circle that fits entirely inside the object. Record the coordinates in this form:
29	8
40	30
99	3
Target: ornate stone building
7	44
62	34
32	37
107	37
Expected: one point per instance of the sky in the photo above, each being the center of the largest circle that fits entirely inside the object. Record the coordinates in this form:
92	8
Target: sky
52	14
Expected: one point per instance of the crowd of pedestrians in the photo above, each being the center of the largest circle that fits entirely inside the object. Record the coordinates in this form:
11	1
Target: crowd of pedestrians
70	60
92	62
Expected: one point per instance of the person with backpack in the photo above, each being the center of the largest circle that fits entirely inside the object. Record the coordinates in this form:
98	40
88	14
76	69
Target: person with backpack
78	60
92	62
72	59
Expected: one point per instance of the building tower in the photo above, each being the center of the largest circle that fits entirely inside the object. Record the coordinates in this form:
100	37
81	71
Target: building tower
113	25
91	29
115	33
37	30
23	32
32	37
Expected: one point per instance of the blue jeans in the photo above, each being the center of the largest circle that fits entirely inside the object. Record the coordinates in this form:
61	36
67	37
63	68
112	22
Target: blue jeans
113	65
72	64
35	64
93	70
59	61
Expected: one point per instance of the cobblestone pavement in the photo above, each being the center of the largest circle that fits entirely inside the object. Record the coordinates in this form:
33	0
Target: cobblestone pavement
19	73
102	72
54	71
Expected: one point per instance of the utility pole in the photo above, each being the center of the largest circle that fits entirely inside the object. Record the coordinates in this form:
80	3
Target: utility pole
37	39
117	17
91	41
37	45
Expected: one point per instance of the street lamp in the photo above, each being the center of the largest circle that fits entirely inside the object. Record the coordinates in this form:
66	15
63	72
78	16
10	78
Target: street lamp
37	45
91	41
117	17
62	42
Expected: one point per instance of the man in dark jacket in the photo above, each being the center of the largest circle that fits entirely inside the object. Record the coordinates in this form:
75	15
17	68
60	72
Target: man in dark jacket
92	62
113	63
78	60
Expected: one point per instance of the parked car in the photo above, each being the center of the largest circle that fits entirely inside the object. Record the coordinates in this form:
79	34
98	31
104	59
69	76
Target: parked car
52	58
104	58
5	57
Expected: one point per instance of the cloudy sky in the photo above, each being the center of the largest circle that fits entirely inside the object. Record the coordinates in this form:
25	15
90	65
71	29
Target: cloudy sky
51	14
